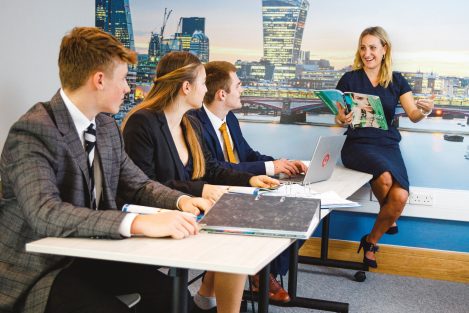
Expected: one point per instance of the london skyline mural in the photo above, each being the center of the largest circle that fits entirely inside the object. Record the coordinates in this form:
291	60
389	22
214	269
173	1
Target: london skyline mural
323	50
315	43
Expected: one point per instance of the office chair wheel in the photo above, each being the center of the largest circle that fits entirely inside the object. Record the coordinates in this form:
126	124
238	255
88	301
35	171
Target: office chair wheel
360	276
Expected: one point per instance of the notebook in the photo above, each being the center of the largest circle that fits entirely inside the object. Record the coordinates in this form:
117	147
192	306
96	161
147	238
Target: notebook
244	214
325	156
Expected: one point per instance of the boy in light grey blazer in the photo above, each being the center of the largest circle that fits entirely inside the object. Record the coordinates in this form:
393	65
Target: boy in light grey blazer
58	180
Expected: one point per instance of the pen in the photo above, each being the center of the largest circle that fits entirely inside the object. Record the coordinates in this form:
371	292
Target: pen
243	190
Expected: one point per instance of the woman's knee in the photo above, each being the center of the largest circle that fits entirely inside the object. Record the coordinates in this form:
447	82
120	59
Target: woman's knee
398	199
385	180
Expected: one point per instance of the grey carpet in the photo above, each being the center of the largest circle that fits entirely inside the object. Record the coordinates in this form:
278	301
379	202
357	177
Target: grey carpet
378	293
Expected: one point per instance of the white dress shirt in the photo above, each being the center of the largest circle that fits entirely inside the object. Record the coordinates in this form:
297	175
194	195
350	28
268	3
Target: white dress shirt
216	123
81	123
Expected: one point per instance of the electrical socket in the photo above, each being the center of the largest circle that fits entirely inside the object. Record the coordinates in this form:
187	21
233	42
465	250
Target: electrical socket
415	197
420	198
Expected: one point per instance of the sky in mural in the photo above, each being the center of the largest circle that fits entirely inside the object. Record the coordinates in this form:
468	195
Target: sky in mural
427	35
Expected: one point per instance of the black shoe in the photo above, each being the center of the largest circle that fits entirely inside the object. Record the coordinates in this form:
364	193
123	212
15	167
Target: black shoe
367	246
392	230
196	309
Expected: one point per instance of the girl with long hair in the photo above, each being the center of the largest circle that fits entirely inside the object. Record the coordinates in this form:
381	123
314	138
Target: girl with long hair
164	141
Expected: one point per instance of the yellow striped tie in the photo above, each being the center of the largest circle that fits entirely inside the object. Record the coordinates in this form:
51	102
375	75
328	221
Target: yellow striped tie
228	147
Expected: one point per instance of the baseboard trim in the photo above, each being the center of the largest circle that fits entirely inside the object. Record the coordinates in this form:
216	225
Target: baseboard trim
405	261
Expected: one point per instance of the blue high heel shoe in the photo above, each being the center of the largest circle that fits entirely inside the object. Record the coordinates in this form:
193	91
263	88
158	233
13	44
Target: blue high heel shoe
367	246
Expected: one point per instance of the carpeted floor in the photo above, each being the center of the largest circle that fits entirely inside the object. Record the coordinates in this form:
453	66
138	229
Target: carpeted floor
378	293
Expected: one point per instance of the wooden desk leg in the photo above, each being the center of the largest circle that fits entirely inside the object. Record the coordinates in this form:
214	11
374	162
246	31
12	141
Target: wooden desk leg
263	300
180	276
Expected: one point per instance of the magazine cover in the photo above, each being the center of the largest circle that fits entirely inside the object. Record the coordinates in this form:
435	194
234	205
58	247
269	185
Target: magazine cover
331	97
367	110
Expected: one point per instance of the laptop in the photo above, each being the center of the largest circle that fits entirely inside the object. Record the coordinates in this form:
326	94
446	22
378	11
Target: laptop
325	156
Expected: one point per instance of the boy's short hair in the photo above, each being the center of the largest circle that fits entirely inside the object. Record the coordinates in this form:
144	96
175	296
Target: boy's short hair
218	77
86	50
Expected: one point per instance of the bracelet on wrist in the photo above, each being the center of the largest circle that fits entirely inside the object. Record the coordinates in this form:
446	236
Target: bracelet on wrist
425	114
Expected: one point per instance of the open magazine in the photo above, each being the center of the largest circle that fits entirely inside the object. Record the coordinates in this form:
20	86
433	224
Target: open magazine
367	109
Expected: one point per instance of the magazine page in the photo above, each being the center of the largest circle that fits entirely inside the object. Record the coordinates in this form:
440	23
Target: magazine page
367	110
331	97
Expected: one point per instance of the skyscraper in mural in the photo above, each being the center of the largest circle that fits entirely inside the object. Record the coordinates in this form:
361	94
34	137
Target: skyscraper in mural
283	24
191	24
113	16
200	45
187	28
154	47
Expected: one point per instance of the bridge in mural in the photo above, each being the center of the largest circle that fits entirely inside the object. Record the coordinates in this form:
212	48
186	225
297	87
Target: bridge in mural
293	110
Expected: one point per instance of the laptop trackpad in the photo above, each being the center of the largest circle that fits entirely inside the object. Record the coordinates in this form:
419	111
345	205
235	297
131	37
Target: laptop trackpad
291	179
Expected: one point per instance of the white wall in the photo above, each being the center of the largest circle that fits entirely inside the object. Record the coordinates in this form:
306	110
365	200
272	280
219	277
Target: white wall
30	33
440	204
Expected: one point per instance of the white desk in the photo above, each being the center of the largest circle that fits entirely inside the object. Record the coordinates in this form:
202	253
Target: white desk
212	252
344	181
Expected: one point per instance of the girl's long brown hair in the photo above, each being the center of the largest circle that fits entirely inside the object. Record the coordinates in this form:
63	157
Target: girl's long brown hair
385	71
172	71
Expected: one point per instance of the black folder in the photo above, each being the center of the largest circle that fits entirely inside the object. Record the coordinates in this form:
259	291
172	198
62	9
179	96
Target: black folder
271	216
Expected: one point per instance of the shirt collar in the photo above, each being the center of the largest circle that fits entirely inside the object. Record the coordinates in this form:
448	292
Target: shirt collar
215	120
79	119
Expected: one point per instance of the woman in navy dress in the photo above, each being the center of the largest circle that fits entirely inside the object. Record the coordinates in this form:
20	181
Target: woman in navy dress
373	150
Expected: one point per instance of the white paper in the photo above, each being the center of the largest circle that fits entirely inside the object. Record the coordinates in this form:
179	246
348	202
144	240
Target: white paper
329	199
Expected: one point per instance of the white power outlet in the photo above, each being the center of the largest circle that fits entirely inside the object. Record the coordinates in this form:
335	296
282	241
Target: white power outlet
415	197
420	198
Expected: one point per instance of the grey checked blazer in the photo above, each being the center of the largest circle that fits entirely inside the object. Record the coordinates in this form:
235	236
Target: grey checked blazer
45	193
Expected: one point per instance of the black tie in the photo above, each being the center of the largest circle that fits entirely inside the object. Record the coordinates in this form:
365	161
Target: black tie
90	142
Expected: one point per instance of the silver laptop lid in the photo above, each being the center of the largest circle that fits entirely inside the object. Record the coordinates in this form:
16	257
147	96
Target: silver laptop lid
324	159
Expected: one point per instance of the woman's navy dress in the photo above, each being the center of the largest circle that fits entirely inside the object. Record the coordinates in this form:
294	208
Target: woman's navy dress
374	150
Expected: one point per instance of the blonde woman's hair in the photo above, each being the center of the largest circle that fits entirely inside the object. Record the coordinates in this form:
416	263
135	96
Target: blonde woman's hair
385	71
172	71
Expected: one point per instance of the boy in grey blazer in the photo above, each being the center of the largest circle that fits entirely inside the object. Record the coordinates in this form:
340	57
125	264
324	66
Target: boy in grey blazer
52	188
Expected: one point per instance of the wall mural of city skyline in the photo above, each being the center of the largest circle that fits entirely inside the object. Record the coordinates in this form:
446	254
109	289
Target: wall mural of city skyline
285	49
285	62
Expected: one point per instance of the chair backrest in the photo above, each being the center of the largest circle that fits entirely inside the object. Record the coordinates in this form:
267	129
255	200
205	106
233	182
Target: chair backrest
130	300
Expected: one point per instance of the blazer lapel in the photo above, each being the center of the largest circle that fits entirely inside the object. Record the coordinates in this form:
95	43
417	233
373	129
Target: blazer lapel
171	145
104	149
213	136
67	129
